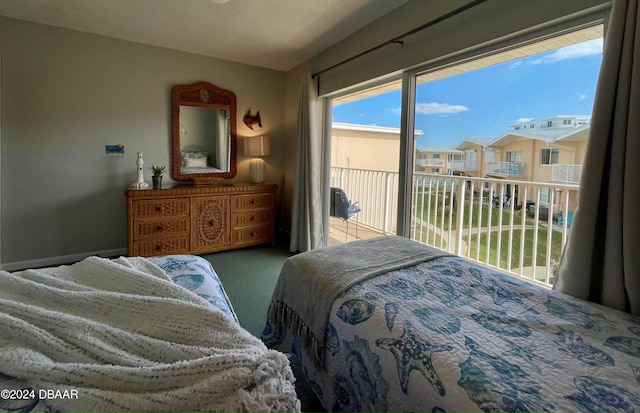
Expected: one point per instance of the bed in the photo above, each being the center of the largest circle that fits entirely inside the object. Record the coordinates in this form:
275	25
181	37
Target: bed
139	334
412	331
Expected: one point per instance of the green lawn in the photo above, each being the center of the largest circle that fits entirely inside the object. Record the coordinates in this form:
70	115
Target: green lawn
433	215
493	215
541	253
427	237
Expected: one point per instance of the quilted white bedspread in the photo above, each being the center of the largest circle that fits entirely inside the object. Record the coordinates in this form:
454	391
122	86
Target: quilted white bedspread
121	336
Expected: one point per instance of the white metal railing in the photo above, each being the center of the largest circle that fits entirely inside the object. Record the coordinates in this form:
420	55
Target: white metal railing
566	173
465	165
376	192
505	168
463	215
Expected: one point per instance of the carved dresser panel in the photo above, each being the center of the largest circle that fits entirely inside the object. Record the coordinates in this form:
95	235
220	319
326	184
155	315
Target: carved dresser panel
199	219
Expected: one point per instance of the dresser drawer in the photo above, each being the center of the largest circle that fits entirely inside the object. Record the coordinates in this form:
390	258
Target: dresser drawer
253	235
161	246
252	201
147	228
161	208
252	217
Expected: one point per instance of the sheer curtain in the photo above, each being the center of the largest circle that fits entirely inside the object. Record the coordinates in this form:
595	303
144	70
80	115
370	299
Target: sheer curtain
601	262
308	221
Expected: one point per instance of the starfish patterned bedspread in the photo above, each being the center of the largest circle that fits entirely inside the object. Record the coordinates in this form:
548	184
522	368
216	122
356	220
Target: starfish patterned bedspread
448	335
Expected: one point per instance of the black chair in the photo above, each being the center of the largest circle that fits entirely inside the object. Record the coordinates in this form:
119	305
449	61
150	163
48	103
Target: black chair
342	207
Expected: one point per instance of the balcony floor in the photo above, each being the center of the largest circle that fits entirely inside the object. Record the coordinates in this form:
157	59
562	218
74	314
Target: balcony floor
338	233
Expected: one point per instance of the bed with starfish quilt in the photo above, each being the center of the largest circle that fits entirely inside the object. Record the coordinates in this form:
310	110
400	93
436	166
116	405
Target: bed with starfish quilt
434	332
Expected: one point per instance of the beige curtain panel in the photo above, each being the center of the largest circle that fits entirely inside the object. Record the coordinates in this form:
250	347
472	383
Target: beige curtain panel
307	225
601	262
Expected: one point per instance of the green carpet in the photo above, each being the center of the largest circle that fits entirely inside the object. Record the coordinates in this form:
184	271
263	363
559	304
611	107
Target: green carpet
249	276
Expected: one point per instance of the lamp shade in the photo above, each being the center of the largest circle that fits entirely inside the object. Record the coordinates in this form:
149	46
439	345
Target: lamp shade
256	146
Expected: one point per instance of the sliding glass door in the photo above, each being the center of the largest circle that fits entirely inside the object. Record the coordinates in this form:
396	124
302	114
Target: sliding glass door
503	137
365	157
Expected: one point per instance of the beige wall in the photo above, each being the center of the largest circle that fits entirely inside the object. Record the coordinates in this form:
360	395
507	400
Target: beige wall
67	94
379	151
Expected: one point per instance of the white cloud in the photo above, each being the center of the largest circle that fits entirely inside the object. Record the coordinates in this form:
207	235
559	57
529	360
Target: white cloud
590	48
582	97
436	108
515	65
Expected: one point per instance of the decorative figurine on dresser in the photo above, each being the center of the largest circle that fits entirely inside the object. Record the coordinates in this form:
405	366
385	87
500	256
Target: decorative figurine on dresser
206	215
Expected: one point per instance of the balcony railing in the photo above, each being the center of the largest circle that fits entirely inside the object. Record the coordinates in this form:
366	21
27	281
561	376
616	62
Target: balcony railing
565	173
505	168
376	193
463	215
466	165
429	162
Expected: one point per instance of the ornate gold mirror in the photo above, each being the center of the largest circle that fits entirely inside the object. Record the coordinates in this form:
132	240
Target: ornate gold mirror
203	129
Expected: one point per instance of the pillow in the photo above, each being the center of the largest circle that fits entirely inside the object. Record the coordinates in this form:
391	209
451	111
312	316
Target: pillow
194	155
195	162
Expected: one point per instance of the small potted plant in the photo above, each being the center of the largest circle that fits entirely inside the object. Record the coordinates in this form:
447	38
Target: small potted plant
157	176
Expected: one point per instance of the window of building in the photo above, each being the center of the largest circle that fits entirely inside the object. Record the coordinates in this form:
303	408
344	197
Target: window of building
436	156
544	195
514	156
455	157
549	156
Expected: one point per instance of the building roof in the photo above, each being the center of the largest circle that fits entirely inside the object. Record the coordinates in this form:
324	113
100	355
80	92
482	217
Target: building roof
469	142
437	149
575	135
370	128
548	135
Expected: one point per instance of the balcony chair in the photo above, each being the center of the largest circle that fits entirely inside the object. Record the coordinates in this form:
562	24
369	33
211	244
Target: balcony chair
569	218
342	207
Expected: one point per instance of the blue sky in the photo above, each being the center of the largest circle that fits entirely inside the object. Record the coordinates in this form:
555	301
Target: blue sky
488	102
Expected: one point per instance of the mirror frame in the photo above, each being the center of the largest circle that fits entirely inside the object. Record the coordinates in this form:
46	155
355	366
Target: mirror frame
202	94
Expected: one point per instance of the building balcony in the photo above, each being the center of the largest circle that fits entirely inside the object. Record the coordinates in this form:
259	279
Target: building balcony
505	168
463	165
566	173
430	162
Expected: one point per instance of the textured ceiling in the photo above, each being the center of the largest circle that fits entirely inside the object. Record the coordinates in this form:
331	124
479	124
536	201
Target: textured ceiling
277	34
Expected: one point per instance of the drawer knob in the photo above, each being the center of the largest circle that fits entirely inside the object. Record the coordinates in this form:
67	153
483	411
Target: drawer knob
252	201
251	218
212	222
164	246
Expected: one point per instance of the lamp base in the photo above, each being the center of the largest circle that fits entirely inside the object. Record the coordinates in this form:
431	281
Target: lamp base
257	171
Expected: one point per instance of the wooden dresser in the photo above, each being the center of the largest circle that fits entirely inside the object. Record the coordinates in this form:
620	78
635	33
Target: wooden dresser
199	219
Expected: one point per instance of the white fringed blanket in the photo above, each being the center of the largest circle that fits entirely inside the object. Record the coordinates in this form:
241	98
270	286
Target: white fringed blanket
127	338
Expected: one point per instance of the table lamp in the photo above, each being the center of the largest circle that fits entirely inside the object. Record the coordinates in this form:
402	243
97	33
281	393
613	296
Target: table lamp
257	147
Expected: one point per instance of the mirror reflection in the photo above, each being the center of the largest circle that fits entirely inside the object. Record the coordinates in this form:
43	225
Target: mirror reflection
203	133
204	139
